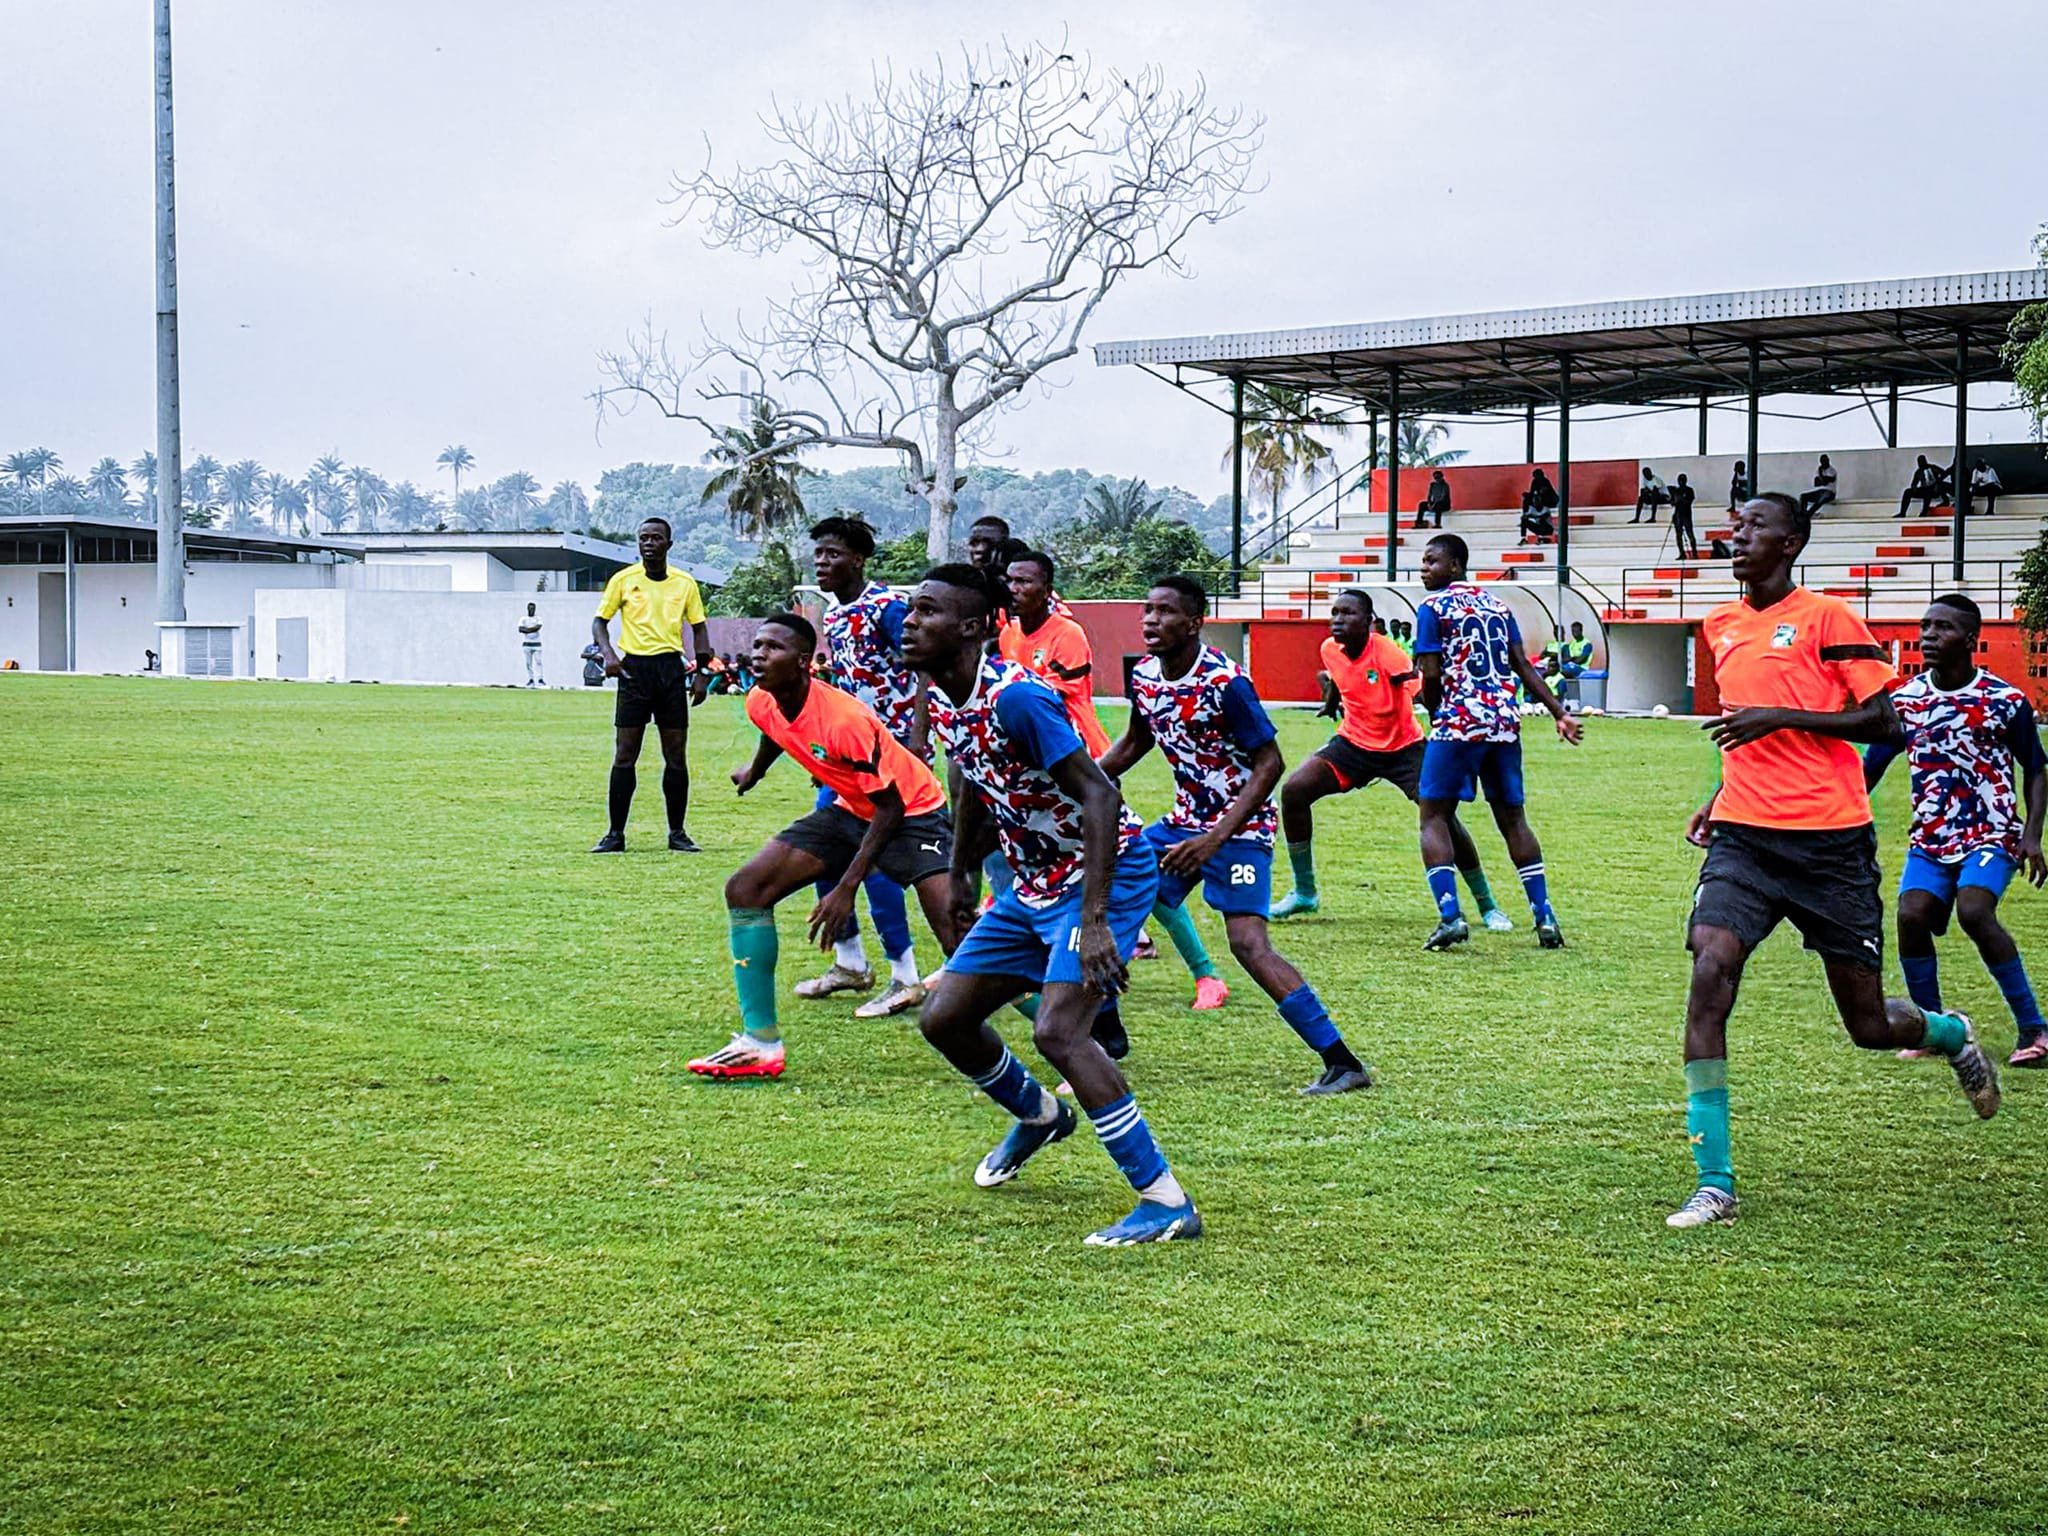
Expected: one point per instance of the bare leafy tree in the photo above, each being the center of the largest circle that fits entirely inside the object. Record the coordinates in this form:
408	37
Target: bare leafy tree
959	227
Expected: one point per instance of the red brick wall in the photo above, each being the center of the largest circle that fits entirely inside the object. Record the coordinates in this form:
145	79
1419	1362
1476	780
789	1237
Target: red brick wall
1499	487
1282	654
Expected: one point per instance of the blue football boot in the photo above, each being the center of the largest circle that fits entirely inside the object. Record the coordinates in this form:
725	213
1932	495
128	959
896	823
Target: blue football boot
1015	1149
1151	1222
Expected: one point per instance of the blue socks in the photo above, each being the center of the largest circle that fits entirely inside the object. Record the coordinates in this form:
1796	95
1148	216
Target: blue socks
1128	1140
1923	981
1308	1018
1538	890
2019	996
885	906
1443	890
1019	1092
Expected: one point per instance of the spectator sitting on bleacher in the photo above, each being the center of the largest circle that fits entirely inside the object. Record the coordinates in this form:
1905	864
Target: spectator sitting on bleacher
1823	490
1577	655
1650	495
1682	495
1985	486
1738	485
1930	485
1537	504
1438	501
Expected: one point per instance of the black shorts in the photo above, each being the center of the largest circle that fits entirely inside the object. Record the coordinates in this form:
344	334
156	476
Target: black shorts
921	848
1824	883
653	688
1355	767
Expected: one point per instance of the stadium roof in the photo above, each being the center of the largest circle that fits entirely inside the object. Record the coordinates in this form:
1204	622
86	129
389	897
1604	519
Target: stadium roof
520	551
1819	340
218	543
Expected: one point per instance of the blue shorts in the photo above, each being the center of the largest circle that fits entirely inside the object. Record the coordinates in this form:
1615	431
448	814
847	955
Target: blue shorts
1450	768
1989	869
1043	944
1238	879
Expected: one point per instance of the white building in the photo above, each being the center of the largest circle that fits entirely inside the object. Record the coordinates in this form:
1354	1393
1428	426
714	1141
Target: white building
78	593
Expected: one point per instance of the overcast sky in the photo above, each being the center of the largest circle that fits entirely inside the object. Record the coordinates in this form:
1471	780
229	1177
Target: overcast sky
403	225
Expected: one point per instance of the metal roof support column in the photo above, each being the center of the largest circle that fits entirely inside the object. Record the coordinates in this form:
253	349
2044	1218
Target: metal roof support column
1372	456
1891	416
1756	360
1237	485
1529	432
1564	476
1703	426
70	598
1393	473
1960	474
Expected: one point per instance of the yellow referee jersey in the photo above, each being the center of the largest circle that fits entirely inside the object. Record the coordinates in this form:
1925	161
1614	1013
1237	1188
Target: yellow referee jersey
652	613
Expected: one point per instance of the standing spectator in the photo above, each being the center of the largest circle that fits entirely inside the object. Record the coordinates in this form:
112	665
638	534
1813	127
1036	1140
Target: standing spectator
1823	490
1537	504
529	643
1682	496
1650	495
1929	486
1985	486
1438	501
1738	485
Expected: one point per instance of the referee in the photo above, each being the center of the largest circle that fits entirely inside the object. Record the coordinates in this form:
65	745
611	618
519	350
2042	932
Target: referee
655	605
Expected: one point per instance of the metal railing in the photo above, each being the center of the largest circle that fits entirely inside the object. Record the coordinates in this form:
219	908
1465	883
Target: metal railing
1328	497
1926	579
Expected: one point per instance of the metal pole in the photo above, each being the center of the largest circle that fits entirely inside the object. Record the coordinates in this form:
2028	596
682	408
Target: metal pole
1960	475
1529	433
170	501
1393	473
1703	426
1891	416
1756	474
1564	477
1372	456
70	598
1237	485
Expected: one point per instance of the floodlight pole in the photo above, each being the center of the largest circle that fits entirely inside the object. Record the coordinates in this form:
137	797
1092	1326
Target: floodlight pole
1393	473
1960	475
1237	485
170	526
1756	471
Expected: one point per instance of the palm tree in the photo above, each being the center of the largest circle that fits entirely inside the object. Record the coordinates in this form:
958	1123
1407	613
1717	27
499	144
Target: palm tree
1111	515
240	484
286	499
455	459
21	469
35	467
199	477
761	480
144	469
472	509
567	507
108	484
1278	445
1419	446
413	508
369	493
323	488
514	496
69	490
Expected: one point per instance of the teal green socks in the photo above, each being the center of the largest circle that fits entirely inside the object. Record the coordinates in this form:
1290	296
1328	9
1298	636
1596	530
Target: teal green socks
1301	858
1945	1032
1706	1121
1180	927
1482	893
754	951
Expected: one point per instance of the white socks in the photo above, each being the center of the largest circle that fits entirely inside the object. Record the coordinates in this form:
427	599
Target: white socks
851	954
1165	1190
903	968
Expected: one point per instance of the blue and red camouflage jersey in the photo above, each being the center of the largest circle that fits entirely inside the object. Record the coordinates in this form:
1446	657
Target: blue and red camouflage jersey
864	639
1966	750
1208	723
1472	631
1003	739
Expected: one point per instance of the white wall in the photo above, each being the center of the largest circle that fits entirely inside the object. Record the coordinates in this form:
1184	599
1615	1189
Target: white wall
1646	665
470	570
19	641
427	637
1864	474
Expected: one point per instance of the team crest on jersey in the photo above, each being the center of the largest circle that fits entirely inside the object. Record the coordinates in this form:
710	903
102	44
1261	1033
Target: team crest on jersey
1372	674
1038	657
818	750
1783	636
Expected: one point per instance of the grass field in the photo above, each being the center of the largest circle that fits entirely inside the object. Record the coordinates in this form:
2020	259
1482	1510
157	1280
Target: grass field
350	1181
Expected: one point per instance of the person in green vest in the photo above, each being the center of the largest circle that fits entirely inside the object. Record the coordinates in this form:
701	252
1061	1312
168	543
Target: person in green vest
1575	654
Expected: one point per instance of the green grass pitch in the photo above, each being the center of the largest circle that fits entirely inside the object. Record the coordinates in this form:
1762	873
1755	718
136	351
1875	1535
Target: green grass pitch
350	1181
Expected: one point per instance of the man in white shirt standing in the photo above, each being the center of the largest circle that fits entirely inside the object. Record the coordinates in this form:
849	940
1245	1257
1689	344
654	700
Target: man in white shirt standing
529	642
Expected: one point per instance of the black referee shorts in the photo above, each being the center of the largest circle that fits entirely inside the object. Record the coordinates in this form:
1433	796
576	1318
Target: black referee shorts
1824	883
653	688
921	848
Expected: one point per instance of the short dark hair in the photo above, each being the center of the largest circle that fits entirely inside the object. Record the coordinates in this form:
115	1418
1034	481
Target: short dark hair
1453	546
661	520
1194	597
990	520
1799	514
1962	605
971	579
1358	595
850	531
1037	557
797	625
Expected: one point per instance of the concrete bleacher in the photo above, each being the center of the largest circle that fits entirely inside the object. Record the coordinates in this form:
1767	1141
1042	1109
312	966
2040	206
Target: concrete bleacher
1862	549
